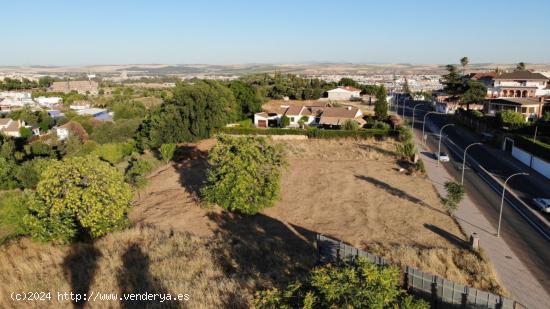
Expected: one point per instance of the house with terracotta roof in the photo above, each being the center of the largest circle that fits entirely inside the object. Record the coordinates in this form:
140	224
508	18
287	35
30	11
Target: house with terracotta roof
321	115
519	84
344	93
10	127
530	108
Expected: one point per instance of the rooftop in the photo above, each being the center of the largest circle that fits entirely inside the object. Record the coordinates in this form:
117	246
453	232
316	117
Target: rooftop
521	75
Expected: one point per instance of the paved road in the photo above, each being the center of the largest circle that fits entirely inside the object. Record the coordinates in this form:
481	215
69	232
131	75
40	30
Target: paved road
532	248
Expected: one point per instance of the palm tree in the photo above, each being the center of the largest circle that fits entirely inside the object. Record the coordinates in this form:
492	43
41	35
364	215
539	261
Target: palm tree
520	66
464	62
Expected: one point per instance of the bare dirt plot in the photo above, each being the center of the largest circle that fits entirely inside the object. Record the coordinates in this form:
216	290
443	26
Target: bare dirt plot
348	189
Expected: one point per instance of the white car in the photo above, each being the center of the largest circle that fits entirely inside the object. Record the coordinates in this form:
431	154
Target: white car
543	204
442	156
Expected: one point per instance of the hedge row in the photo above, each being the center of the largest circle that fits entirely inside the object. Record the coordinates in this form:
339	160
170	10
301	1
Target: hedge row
536	148
312	133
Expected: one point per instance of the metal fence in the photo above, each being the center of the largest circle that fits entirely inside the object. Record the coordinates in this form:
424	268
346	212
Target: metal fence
440	292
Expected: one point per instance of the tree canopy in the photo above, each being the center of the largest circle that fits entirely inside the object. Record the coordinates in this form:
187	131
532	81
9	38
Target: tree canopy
80	197
244	174
355	285
194	112
381	105
247	98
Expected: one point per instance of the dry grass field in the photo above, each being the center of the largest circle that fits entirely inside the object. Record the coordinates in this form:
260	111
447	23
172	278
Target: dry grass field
348	189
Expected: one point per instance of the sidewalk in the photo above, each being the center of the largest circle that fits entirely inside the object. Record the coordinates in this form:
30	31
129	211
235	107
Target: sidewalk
512	273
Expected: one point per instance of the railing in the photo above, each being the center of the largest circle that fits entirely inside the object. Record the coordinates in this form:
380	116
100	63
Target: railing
440	292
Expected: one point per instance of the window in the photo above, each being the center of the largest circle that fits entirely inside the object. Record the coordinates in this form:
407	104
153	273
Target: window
291	119
531	110
524	110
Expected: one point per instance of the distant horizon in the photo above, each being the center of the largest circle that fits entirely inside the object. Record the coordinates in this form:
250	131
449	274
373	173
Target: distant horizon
69	33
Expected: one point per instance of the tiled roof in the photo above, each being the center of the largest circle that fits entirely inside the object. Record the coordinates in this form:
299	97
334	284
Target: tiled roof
521	75
520	101
340	112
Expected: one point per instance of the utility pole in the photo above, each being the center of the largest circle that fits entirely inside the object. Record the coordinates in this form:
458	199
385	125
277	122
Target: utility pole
440	135
502	199
464	161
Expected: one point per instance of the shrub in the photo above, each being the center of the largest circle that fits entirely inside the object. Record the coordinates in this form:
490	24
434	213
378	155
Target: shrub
112	152
13	208
78	198
25	132
405	133
41	149
350	125
381	125
419	166
406	150
510	119
455	193
136	172
355	285
8	172
30	172
285	121
244	174
167	151
537	148
246	123
257	131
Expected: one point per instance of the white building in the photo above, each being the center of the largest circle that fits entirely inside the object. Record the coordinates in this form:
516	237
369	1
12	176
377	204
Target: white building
48	101
519	84
346	93
309	115
11	127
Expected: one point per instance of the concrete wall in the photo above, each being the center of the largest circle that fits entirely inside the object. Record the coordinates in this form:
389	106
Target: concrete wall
533	162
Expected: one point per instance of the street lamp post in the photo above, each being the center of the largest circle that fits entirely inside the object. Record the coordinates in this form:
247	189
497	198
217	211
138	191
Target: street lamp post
464	161
502	199
424	124
440	135
412	125
404	101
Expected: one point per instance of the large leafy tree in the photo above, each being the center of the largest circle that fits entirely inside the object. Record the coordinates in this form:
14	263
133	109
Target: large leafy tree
510	118
80	197
474	92
381	105
244	174
194	112
464	61
358	285
521	66
247	98
453	83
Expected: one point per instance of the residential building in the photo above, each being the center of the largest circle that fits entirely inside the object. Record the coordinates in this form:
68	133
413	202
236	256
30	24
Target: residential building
11	127
13	100
48	101
519	84
321	115
344	93
80	86
71	128
530	108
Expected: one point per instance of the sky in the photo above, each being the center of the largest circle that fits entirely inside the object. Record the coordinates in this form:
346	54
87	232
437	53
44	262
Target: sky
269	31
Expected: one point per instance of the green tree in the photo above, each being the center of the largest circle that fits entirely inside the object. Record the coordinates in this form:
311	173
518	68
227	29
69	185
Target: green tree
129	110
475	92
25	132
347	81
285	121
353	285
111	152
350	125
510	118
381	105
7	150
406	87
244	174
8	172
455	193
521	66
78	198
464	61
30	172
247	98
167	151
137	171
13	207
452	82
194	112
45	81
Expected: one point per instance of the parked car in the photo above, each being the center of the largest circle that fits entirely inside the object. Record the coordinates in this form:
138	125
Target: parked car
543	204
442	156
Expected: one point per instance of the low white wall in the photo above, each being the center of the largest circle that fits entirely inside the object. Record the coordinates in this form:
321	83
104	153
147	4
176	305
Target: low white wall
541	166
521	155
536	163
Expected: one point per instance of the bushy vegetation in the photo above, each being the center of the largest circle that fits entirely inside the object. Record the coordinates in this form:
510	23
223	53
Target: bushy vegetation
510	119
350	125
167	151
78	198
194	112
381	105
244	174
455	194
355	285
12	210
278	85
